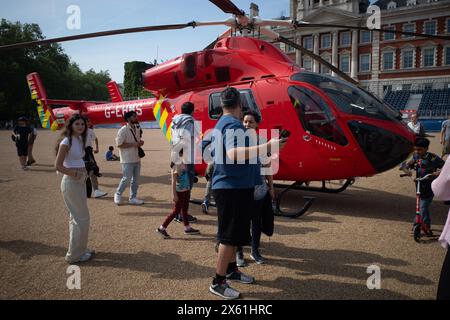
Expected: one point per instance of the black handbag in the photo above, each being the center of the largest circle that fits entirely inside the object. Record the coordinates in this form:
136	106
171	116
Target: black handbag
141	152
267	216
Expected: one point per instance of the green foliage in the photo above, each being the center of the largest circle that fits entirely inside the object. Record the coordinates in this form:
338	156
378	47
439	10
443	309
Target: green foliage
132	79
62	78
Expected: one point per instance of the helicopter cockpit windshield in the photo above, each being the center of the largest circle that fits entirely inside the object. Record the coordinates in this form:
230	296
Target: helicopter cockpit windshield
349	98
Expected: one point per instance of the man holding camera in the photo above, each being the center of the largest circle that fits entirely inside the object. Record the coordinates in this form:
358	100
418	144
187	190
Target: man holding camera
129	140
233	183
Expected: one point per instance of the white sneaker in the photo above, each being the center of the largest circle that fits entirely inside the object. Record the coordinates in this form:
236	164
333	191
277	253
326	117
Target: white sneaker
99	193
136	201
117	199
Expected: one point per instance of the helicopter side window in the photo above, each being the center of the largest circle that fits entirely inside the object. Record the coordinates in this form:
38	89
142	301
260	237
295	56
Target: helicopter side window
315	116
247	100
349	98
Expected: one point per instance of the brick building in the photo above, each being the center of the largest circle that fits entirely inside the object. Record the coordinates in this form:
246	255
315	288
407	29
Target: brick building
382	62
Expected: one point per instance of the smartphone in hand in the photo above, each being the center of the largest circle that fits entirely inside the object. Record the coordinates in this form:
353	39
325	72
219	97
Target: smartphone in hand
285	134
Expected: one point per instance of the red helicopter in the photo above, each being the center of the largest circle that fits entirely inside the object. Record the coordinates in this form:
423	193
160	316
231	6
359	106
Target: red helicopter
338	130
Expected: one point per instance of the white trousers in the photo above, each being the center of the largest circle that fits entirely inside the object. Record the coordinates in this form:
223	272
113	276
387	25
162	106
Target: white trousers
75	199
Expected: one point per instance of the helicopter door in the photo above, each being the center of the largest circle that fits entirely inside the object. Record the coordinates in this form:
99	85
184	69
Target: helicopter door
321	128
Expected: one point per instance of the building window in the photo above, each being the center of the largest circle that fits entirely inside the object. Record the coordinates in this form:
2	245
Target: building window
392	5
344	63
428	57
429	27
365	36
388	60
307	64
308	42
448	26
326	40
364	62
410	27
408	59
345	38
447	56
289	48
389	35
324	69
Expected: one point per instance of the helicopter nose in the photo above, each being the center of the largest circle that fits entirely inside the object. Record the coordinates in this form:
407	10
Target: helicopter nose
384	149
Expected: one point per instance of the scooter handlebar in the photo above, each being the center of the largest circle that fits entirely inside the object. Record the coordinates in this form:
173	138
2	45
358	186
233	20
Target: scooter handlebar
424	178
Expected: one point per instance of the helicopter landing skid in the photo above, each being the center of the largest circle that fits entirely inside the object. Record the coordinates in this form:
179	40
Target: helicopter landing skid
277	210
324	189
280	213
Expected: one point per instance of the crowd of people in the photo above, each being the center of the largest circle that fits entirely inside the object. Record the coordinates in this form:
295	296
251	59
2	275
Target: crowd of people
242	192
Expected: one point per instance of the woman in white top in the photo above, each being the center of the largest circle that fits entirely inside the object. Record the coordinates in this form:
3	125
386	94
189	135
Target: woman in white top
69	161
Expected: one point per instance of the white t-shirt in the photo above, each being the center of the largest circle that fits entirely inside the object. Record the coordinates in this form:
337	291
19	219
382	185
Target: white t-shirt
90	137
415	127
128	155
74	158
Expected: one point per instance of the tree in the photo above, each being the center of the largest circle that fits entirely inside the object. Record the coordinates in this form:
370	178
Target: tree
62	78
133	79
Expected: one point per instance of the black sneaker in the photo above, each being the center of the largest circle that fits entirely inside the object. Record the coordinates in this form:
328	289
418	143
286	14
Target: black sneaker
240	277
191	231
240	262
429	233
257	257
163	233
225	291
179	218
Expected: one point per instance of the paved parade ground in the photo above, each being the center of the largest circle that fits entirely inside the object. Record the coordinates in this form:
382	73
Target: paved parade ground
323	255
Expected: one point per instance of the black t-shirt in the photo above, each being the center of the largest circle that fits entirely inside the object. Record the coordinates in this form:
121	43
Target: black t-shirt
423	166
23	133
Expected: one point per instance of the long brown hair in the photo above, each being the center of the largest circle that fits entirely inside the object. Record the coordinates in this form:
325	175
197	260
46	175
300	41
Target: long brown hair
68	131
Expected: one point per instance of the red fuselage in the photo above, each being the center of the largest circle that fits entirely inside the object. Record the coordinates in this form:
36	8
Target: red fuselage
338	130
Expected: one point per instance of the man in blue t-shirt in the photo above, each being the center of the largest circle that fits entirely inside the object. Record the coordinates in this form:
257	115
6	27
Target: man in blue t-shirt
236	173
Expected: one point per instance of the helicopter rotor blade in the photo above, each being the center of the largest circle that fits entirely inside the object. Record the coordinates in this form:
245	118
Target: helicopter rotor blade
193	24
98	34
304	24
228	7
320	59
275	36
300	24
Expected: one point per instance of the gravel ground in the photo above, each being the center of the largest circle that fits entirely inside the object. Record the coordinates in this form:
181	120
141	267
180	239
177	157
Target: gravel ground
323	255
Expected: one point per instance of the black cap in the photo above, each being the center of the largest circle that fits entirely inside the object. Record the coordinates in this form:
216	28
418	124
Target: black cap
129	114
22	119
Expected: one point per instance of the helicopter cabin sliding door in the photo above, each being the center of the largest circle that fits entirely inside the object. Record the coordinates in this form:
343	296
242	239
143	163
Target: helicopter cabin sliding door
323	136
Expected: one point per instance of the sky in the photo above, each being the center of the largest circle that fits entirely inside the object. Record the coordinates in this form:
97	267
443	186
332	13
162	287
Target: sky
110	53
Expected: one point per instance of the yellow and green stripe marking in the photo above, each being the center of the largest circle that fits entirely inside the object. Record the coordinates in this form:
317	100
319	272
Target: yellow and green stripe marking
163	117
